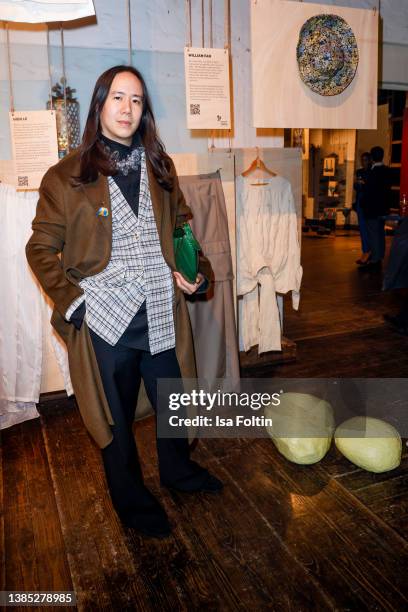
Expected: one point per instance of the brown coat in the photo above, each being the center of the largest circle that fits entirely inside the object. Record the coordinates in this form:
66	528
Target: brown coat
70	241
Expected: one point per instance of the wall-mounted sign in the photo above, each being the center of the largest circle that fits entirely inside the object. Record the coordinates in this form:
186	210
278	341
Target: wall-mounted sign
329	166
35	148
207	88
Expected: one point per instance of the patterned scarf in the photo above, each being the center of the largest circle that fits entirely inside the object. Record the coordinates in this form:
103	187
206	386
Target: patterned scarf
123	158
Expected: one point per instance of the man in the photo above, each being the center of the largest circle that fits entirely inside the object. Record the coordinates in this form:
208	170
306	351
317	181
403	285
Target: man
396	276
359	186
110	209
376	204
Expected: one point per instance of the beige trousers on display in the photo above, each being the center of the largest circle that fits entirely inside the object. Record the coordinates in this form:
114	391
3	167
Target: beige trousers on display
212	316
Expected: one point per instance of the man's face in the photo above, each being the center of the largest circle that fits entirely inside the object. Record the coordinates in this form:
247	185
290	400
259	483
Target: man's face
122	111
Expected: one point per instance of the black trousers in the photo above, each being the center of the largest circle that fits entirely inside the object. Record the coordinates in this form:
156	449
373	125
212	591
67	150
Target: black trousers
121	367
402	316
376	238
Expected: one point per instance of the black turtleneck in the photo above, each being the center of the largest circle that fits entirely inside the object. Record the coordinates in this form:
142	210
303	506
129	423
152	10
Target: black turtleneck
129	184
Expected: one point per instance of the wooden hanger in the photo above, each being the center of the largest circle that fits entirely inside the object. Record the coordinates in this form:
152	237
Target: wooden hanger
258	164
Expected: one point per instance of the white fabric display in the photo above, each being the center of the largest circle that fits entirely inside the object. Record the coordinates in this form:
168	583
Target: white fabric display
268	257
38	11
58	346
24	317
20	320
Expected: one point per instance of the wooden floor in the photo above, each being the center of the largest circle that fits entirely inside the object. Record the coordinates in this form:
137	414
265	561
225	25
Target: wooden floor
280	537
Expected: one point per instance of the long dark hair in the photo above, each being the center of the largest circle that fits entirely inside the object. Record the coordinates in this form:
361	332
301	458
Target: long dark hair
93	159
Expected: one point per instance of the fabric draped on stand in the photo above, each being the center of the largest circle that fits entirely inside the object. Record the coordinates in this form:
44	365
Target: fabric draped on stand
268	257
212	316
24	319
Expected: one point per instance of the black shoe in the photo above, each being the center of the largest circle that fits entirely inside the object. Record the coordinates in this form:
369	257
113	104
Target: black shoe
156	527
396	324
211	484
362	262
391	319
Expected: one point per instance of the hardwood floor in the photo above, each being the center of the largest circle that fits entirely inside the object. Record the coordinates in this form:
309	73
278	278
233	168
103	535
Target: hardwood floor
280	537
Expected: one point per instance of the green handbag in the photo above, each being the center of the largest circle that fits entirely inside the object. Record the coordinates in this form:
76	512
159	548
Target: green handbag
186	249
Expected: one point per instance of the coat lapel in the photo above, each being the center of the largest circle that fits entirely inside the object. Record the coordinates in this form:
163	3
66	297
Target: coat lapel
98	196
156	195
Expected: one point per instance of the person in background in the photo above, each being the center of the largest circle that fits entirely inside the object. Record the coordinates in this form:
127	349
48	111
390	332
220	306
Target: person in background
396	277
375	203
359	186
102	249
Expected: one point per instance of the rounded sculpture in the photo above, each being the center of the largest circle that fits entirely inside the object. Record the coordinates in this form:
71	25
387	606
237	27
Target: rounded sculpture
302	427
371	444
327	54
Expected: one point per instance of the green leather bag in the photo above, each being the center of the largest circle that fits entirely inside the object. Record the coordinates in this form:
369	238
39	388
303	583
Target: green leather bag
186	248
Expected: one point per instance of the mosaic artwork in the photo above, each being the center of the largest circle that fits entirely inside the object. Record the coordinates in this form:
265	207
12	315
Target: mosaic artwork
327	54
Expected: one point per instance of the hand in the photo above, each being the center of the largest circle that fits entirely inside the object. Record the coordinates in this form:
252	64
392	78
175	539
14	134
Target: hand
185	285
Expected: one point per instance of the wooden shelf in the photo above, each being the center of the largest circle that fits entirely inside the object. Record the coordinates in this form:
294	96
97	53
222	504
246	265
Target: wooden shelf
395	188
395	165
396	141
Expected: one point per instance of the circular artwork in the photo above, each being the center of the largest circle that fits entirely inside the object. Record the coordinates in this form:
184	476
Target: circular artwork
327	54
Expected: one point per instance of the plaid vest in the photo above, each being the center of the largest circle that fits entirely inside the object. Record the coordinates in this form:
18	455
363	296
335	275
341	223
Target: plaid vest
136	272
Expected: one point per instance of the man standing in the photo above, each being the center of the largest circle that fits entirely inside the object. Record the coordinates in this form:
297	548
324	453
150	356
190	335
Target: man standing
396	276
376	204
359	186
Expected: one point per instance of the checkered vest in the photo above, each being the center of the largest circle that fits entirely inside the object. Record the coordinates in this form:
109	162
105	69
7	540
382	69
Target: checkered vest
136	272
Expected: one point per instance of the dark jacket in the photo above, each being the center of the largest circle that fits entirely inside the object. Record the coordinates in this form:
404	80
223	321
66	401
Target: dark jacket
396	274
361	174
375	200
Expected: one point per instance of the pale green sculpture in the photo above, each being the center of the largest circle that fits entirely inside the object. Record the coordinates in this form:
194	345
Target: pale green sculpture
369	443
302	427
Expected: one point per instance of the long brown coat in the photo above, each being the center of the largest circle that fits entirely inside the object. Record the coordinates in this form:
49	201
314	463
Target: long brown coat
70	241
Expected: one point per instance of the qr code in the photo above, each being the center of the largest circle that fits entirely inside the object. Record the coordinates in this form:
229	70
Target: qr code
22	181
194	109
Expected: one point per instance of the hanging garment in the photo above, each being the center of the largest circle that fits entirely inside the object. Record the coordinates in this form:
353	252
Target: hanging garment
268	257
20	320
212	316
24	318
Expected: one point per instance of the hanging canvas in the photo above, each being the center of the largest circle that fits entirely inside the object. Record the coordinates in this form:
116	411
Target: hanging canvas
327	72
38	11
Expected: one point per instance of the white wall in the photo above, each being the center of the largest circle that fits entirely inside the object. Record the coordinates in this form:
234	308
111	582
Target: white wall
159	35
